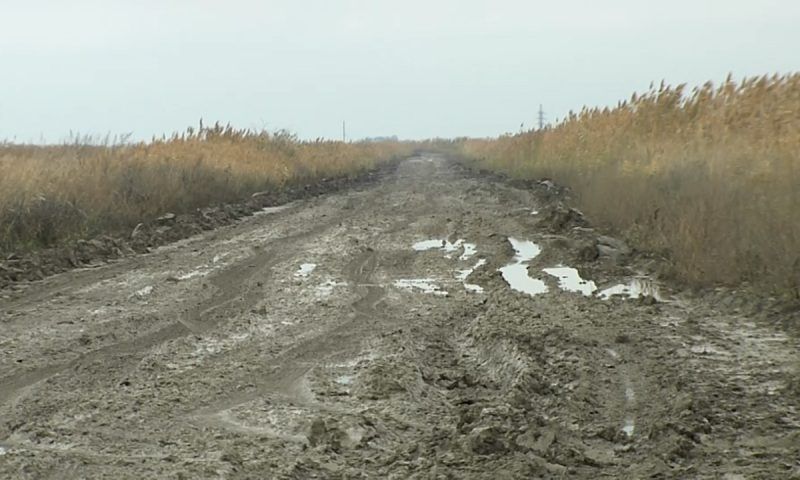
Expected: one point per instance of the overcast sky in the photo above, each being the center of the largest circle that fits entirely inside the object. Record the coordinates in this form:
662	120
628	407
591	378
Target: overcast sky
412	68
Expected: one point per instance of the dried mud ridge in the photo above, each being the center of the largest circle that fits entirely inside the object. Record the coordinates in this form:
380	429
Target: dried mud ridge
316	341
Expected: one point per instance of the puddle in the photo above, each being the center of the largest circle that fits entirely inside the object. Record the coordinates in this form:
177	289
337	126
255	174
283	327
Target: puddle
305	269
426	285
570	280
470	249
629	427
534	212
3	450
436	245
344	379
516	273
639	287
462	276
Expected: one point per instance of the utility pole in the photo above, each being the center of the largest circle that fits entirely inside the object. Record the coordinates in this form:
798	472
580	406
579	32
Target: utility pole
541	117
344	132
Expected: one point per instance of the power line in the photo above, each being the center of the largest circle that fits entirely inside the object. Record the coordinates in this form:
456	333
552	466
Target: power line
541	117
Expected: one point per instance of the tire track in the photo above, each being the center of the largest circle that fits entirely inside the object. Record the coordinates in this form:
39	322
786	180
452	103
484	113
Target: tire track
296	362
229	291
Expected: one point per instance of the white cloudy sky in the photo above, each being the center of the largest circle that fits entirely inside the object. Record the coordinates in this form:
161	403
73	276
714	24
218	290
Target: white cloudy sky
414	68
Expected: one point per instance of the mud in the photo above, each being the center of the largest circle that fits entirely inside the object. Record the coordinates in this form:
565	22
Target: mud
211	358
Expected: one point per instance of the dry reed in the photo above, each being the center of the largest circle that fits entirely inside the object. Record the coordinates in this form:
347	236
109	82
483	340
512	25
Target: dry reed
710	178
49	194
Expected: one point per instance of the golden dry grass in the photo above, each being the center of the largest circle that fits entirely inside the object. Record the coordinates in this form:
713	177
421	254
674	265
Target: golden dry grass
712	177
50	194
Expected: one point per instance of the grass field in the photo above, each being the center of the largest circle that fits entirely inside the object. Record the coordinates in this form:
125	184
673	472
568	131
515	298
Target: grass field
49	194
709	177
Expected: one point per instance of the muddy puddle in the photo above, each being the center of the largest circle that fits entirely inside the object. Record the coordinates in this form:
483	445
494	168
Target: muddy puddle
462	275
636	288
516	273
629	427
424	285
344	379
517	277
305	269
570	280
468	249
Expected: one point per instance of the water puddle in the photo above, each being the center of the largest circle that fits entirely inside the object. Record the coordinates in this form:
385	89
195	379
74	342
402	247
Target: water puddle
470	249
426	285
638	287
436	244
3	450
629	427
305	269
516	273
570	280
462	276
344	379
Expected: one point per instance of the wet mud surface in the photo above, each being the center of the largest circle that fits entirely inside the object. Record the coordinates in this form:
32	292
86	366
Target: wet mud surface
372	334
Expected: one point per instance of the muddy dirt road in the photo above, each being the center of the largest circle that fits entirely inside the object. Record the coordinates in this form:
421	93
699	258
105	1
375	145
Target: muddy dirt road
406	329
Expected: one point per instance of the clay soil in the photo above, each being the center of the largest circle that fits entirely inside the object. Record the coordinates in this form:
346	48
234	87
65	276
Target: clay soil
221	356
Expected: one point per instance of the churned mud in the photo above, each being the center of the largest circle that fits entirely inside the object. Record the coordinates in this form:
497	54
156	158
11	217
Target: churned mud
403	329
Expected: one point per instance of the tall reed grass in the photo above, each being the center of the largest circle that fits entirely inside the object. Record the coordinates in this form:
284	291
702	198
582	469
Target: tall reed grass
49	194
710	177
